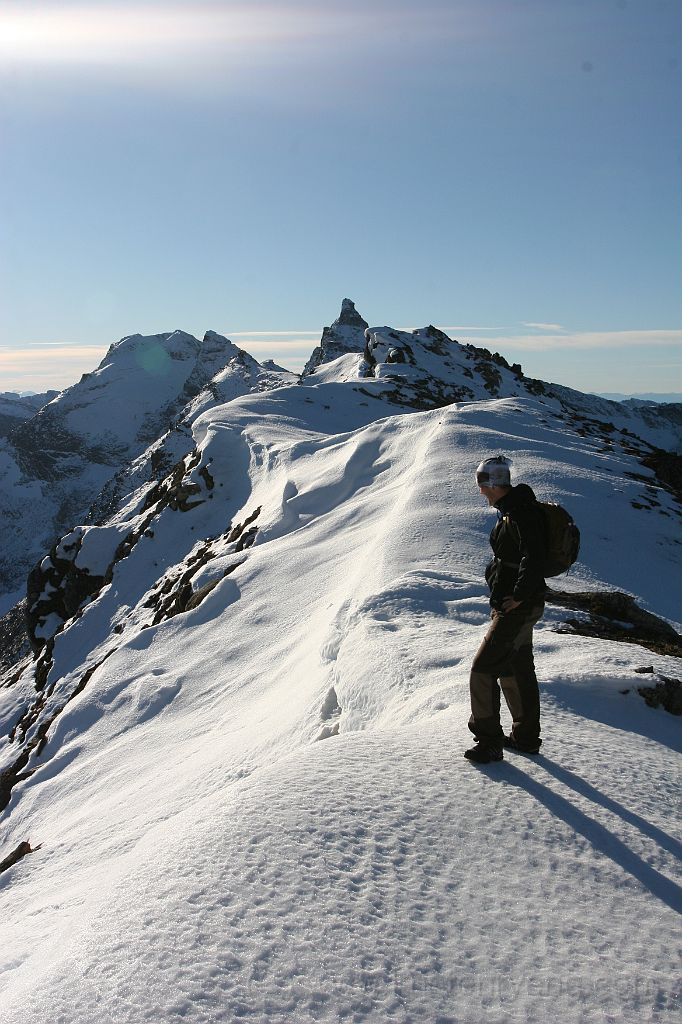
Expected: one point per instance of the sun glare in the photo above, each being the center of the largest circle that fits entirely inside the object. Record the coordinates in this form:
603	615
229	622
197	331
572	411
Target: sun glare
73	33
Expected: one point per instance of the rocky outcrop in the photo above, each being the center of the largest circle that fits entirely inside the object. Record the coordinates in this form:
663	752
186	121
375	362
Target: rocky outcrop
14	643
612	615
82	562
177	594
19	852
185	587
56	589
346	334
668	469
426	369
667	693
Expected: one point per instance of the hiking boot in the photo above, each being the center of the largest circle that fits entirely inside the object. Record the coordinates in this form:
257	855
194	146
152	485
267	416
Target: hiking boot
483	753
511	744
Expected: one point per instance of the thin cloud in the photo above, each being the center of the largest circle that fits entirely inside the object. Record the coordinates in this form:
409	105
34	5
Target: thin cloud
469	329
47	366
544	327
57	350
586	340
272	334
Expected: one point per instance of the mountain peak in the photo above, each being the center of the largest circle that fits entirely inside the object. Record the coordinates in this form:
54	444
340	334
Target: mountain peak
214	339
346	334
349	317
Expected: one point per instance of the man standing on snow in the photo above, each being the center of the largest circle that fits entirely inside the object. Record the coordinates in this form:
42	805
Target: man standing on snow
517	595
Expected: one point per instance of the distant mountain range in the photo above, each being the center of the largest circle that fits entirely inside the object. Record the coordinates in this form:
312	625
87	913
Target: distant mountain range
645	396
78	456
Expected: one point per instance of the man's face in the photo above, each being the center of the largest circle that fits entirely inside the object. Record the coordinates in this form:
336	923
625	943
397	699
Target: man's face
492	494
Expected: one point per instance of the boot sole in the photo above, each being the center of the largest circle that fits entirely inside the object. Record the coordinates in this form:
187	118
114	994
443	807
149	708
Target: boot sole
478	760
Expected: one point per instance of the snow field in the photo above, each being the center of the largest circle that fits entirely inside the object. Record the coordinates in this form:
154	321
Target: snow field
379	877
207	855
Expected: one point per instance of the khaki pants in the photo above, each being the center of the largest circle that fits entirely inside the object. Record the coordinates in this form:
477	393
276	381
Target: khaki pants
506	656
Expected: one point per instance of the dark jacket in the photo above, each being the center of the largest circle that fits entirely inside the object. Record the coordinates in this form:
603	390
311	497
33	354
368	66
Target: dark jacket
518	543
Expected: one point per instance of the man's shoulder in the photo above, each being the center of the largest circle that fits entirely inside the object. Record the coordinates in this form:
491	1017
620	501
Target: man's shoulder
522	495
518	501
524	509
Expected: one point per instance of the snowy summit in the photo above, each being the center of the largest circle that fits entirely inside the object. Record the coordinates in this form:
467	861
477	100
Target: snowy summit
232	774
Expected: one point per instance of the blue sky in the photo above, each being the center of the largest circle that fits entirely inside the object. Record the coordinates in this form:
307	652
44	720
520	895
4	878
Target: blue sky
510	170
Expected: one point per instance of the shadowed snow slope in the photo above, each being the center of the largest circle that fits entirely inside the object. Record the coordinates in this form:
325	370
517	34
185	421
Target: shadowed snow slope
244	759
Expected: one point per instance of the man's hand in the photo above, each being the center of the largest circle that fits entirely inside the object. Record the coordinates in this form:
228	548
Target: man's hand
509	604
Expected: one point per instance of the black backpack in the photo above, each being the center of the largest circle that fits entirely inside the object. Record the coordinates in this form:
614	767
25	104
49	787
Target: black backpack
563	538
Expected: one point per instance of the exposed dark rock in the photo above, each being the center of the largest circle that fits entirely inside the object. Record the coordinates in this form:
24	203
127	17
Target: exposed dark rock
207	478
14	643
668	469
492	378
10	776
57	587
535	387
616	616
666	694
175	595
246	539
7	424
41	444
194	599
235	533
22	850
173	490
31	718
346	334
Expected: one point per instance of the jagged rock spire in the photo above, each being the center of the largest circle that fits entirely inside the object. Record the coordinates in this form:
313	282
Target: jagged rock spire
348	317
346	334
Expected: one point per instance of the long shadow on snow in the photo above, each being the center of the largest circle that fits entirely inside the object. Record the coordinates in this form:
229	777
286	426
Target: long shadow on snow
574	781
599	837
619	711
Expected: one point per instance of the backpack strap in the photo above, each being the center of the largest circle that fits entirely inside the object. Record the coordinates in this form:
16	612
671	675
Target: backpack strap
508	519
510	565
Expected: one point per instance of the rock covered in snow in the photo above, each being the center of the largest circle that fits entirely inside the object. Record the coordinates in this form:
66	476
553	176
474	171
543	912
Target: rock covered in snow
426	369
116	430
238	374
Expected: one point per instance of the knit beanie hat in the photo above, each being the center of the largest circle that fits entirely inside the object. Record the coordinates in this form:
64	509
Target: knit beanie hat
494	472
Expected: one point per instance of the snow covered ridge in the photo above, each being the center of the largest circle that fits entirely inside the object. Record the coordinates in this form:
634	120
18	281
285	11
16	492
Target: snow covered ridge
83	455
120	427
237	767
55	476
